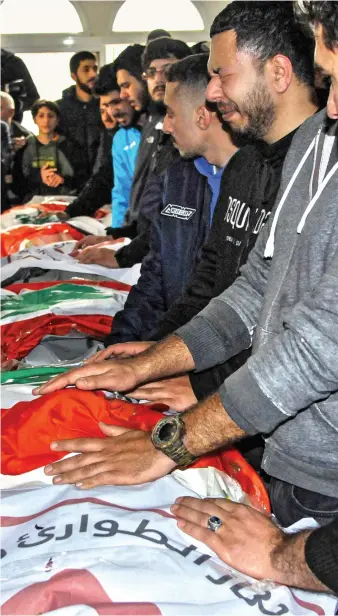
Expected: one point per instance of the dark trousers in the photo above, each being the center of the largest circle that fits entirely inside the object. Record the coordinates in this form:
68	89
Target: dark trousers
290	503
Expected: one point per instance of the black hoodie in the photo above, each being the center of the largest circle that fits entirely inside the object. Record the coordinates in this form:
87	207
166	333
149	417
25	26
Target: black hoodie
248	191
81	122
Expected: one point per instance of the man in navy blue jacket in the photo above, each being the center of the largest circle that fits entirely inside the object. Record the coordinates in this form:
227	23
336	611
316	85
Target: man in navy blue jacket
184	195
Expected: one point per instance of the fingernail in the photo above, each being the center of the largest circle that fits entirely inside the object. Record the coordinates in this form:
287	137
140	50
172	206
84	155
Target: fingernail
53	445
178	500
36	391
173	507
48	469
79	485
57	479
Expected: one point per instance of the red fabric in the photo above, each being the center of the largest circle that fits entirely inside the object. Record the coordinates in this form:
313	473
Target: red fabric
19	338
28	428
50	208
37	235
37	286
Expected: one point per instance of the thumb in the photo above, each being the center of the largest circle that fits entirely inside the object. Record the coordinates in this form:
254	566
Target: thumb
109	430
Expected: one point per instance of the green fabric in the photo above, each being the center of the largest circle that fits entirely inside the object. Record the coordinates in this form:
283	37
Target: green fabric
45	299
32	376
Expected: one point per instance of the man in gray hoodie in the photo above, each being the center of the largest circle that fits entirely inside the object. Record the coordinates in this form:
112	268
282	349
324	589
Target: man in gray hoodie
284	305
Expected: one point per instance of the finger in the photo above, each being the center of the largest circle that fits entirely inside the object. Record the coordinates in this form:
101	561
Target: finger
70	378
208	506
210	538
71	464
79	445
81	473
100	355
189	514
102	381
143	393
110	430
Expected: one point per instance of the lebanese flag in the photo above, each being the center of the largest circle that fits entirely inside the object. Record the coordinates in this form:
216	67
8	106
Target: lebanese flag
19	237
28	428
33	310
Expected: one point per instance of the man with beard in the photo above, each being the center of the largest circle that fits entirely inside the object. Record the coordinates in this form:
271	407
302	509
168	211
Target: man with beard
184	196
283	304
110	180
155	151
80	112
267	113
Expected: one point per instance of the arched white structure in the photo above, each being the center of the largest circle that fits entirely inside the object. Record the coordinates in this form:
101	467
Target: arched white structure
37	17
173	15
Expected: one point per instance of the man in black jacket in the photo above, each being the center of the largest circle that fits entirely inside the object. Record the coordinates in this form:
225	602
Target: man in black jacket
17	81
134	67
114	112
184	197
80	113
250	182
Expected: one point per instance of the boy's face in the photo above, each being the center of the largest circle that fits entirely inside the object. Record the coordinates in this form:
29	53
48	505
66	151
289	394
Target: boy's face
46	120
327	60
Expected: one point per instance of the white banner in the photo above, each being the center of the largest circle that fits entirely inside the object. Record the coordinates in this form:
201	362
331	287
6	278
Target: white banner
117	550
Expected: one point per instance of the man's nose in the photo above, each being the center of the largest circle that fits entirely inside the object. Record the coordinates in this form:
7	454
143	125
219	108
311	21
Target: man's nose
214	90
167	128
332	104
124	93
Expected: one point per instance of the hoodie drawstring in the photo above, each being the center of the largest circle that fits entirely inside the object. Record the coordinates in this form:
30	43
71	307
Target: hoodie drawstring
317	195
270	245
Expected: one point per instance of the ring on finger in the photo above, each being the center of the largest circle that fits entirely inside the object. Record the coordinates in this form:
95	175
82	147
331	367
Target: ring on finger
214	523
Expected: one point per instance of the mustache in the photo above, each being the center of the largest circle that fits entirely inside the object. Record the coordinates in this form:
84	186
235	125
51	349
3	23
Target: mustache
119	114
159	88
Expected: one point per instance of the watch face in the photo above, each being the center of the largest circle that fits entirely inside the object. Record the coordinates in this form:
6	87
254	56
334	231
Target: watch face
167	431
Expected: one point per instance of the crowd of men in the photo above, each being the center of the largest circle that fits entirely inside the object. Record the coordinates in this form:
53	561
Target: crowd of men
222	169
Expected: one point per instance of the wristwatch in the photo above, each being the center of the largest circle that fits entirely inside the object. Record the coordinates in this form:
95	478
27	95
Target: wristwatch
167	436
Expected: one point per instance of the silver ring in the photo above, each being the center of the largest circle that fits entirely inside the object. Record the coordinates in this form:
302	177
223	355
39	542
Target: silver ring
214	523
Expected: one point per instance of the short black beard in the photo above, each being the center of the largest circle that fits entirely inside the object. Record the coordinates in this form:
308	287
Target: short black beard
159	107
84	87
260	110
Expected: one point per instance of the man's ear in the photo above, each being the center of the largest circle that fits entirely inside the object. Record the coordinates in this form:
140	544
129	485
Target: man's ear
280	72
73	76
203	116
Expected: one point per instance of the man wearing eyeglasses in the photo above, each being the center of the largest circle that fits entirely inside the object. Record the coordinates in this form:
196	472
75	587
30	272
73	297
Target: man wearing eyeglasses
155	150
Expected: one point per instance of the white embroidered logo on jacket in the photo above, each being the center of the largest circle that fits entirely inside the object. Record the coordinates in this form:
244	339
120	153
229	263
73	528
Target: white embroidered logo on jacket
178	211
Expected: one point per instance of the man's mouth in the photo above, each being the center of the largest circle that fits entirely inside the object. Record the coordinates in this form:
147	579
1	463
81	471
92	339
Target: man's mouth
159	89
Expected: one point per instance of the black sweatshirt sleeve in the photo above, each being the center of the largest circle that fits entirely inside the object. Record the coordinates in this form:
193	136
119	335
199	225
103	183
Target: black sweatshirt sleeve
139	247
95	193
146	302
200	290
321	554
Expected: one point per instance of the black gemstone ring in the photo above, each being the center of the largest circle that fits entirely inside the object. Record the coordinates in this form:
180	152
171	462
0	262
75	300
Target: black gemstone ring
214	523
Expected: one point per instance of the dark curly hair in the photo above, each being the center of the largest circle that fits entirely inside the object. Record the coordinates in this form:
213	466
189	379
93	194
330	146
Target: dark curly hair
42	102
324	13
265	29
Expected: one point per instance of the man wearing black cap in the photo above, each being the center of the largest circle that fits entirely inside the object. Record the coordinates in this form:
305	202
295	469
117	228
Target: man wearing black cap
135	67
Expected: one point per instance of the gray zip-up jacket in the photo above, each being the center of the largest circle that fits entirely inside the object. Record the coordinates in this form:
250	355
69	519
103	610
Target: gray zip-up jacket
286	307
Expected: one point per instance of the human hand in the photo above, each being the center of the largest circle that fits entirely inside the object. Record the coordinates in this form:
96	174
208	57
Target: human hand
47	173
18	143
126	457
120	351
176	393
98	255
56	180
90	240
245	540
110	375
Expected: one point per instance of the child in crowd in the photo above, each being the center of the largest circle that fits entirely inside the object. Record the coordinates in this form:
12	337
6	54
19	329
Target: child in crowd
49	164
